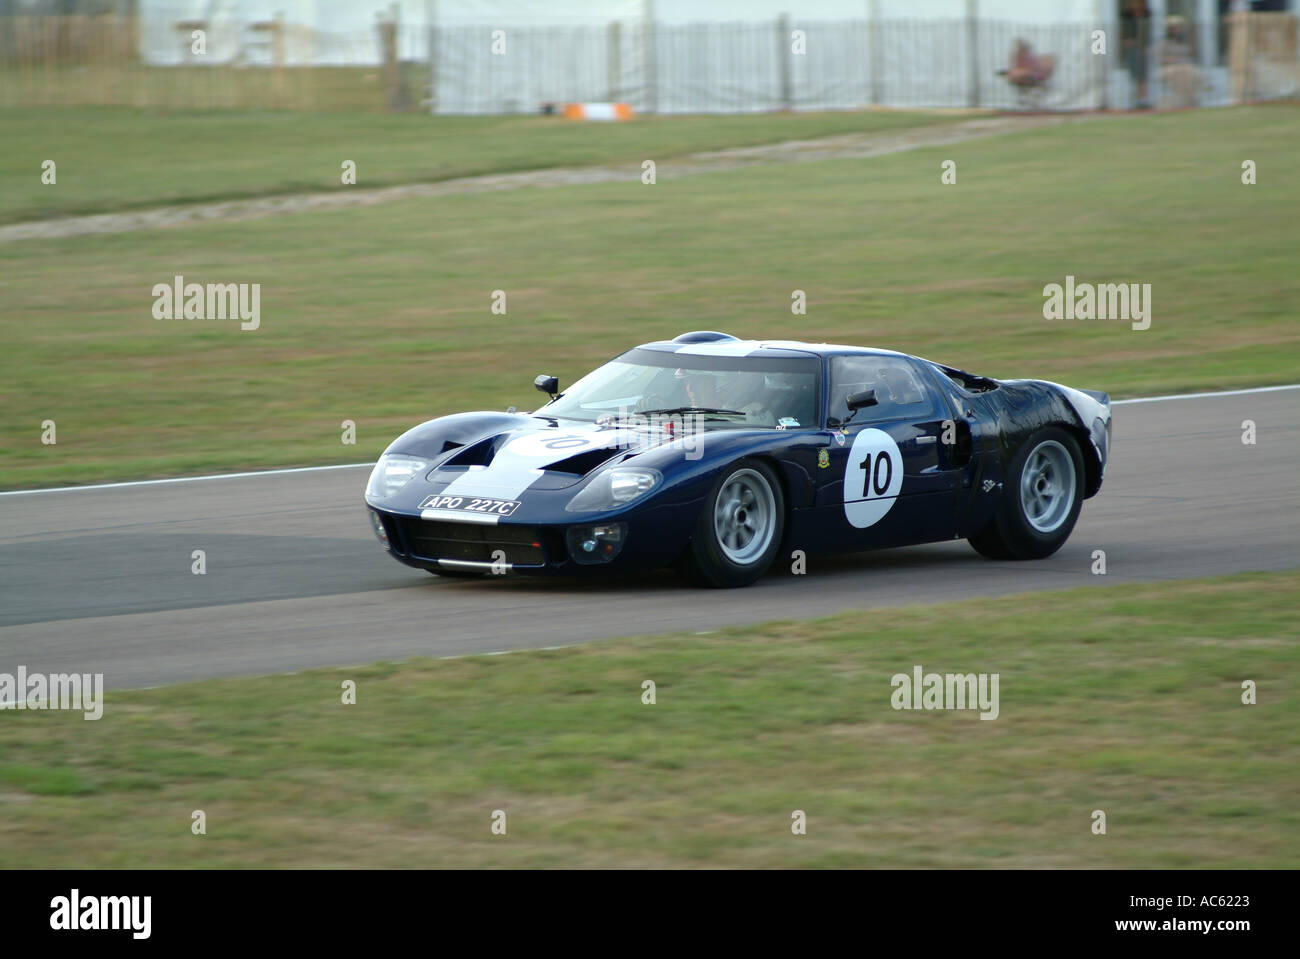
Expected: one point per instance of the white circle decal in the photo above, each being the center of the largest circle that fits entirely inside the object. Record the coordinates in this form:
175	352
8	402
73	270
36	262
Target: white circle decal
555	445
872	478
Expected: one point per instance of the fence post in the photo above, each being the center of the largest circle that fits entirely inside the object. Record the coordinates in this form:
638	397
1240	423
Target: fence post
784	54
1103	60
973	47
391	71
648	54
431	21
614	60
277	58
874	53
1238	55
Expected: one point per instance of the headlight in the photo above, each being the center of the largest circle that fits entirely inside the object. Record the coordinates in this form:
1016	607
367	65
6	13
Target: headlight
392	472
615	487
589	545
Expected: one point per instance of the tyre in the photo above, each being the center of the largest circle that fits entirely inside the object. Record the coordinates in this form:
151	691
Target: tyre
739	529
1040	499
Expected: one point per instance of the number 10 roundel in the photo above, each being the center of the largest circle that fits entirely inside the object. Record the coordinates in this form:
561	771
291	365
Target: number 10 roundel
872	478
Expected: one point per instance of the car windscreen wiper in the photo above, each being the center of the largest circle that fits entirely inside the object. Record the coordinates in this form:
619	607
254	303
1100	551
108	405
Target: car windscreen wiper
693	409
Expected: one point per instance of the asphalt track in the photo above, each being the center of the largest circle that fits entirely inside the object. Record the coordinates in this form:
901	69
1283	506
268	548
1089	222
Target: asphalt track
99	579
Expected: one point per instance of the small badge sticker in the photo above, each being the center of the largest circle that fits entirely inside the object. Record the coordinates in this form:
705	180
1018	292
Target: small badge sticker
823	459
839	437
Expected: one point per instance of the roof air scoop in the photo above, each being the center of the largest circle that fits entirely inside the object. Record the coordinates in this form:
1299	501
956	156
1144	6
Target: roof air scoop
704	336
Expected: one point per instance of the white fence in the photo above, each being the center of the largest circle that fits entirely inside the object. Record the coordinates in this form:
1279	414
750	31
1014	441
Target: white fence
747	67
657	68
743	67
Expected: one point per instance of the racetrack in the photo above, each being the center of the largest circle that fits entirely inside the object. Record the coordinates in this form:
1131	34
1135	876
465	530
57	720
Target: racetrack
99	579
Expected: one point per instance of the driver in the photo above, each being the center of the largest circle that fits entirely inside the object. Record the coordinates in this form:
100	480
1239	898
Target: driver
703	390
701	387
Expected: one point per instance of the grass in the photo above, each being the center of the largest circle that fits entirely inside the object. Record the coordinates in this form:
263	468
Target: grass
116	158
382	315
1125	699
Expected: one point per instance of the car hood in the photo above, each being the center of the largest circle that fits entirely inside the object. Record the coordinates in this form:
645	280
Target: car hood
539	455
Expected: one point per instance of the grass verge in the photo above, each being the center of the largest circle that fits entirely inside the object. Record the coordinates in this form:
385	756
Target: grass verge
1125	699
119	158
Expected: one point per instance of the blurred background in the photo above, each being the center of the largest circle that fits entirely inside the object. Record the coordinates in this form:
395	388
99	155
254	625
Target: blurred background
660	56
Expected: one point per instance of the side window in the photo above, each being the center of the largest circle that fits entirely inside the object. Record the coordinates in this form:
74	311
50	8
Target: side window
899	390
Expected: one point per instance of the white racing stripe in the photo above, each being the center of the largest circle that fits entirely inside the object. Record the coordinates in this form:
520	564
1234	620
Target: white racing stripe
504	480
353	466
519	463
724	348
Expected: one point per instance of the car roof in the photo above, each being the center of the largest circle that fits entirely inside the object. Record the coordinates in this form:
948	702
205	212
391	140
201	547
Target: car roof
707	343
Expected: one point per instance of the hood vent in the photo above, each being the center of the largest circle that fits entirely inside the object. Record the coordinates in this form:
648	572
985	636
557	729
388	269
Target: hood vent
582	463
480	454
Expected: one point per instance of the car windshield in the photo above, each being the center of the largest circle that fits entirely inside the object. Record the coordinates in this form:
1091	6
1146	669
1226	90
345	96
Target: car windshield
724	391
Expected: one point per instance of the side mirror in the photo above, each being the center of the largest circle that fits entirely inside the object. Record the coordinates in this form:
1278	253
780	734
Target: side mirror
859	401
550	385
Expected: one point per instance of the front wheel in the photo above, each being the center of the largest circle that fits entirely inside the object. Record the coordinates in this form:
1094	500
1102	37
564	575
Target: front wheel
1041	498
739	529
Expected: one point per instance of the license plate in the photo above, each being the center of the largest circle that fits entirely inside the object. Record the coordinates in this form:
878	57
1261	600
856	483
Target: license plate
471	504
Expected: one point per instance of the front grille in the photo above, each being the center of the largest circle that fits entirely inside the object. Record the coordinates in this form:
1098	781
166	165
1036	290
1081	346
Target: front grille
475	542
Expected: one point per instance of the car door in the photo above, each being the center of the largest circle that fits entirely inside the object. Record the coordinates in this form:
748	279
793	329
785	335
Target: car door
889	480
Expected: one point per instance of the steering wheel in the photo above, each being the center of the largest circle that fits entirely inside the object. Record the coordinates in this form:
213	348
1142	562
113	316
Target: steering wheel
651	401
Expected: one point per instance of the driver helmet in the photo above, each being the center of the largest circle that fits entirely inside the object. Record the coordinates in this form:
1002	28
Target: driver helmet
696	380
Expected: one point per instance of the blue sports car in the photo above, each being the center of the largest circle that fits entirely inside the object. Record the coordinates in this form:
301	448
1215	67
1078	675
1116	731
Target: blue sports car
716	455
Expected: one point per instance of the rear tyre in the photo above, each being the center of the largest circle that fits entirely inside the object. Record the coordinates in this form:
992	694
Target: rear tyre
1041	499
739	529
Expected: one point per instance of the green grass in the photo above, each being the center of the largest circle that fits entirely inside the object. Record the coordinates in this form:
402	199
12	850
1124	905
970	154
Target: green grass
1125	699
381	315
115	158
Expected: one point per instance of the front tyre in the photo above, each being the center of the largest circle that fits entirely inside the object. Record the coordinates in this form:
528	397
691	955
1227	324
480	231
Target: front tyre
739	529
1041	499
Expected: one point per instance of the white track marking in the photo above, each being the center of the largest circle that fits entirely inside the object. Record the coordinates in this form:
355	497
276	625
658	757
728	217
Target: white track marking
190	479
1197	396
357	466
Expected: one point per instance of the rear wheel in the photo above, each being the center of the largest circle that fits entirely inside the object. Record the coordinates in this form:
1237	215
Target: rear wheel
1041	498
739	529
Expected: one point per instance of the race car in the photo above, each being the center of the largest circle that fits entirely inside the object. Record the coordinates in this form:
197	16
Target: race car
716	455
